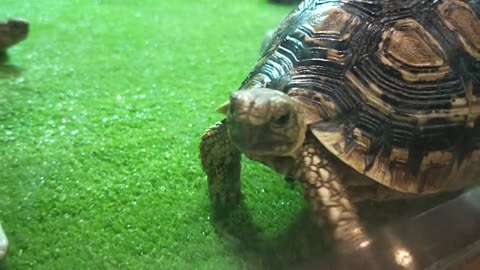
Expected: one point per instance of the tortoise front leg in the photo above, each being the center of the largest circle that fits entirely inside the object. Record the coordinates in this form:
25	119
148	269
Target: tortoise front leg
323	187
221	162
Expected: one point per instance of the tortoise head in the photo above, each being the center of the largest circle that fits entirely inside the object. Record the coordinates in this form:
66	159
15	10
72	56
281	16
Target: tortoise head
12	32
264	121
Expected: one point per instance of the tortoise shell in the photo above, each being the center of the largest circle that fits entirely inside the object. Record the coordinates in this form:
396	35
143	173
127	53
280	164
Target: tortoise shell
397	84
12	31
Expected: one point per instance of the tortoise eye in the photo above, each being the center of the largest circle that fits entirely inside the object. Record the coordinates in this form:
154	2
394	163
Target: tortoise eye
283	119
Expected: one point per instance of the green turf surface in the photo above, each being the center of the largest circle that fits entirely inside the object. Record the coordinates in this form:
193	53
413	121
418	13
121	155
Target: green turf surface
101	112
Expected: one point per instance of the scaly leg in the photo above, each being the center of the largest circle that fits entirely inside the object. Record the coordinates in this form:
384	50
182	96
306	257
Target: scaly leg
221	162
321	176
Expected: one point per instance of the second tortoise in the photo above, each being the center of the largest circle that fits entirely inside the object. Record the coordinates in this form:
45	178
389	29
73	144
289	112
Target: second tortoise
12	31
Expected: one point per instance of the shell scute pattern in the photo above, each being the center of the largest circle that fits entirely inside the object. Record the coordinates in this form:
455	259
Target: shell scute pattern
397	84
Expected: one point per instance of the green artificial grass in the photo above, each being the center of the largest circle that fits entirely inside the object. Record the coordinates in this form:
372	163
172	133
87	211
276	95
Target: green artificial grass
101	113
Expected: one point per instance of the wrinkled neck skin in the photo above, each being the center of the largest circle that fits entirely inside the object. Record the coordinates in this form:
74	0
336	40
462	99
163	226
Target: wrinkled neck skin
296	148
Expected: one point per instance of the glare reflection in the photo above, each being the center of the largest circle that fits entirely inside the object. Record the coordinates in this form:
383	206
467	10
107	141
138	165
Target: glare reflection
364	244
403	257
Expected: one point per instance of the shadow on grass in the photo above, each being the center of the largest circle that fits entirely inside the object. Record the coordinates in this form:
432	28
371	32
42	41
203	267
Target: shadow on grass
3	264
8	71
304	241
301	239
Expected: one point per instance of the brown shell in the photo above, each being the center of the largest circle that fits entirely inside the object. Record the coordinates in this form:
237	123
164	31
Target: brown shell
398	82
12	31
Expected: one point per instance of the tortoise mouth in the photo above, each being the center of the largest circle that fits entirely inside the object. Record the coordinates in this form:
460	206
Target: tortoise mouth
257	140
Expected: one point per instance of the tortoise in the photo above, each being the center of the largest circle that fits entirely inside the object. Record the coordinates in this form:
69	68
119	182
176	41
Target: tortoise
12	31
357	100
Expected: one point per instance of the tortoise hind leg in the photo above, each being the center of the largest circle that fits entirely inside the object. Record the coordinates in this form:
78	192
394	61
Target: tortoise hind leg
322	182
221	162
